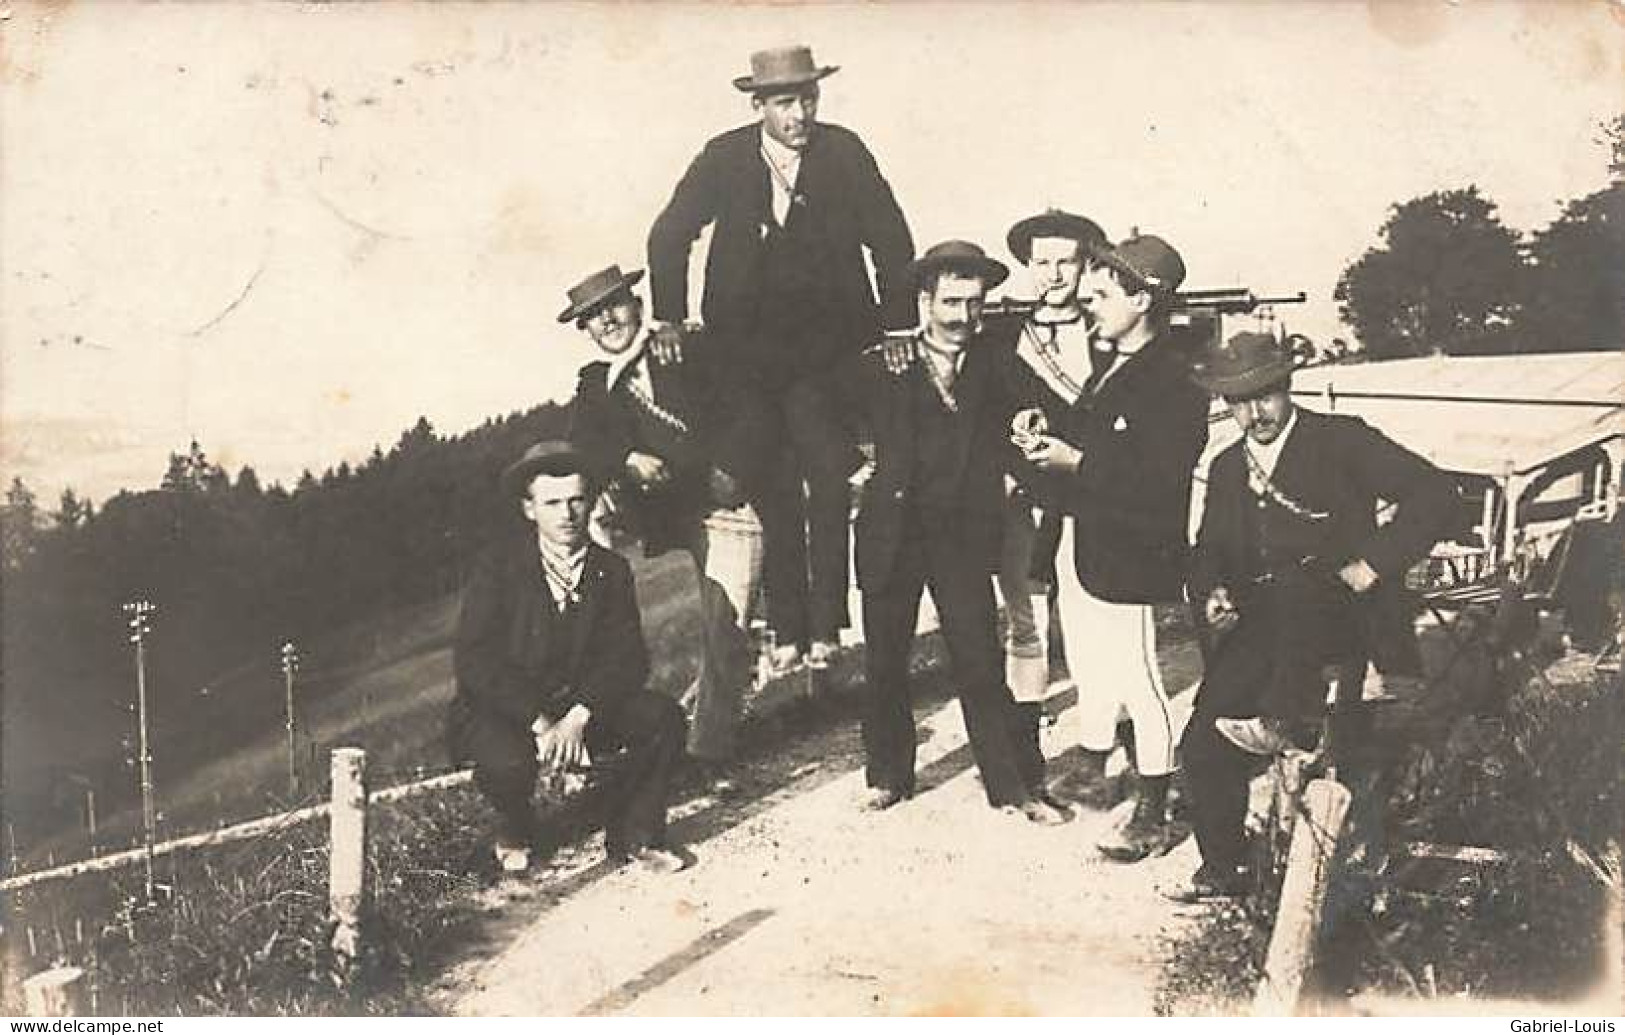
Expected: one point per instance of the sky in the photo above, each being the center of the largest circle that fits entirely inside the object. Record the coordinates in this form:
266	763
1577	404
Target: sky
289	230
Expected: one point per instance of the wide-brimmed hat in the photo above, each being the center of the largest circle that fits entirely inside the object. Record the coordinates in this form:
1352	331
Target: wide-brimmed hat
1246	364
1147	259
782	68
598	288
1053	223
957	257
551	456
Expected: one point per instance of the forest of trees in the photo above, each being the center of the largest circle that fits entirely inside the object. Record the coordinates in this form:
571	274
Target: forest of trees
234	568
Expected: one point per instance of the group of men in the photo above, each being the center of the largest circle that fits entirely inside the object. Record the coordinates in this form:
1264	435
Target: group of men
1049	447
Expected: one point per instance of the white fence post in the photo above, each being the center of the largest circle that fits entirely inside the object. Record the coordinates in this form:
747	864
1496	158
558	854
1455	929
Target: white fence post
347	887
54	993
1303	898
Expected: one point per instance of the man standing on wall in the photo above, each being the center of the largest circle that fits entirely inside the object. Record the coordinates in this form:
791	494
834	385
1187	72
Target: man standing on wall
793	203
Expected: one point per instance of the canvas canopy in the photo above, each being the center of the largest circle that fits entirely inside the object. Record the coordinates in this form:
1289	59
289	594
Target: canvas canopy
1495	416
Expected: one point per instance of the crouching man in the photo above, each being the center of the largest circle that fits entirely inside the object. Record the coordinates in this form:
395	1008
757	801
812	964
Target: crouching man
551	666
1292	571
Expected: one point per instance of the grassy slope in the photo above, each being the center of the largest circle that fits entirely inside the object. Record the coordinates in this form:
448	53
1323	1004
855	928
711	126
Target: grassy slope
383	687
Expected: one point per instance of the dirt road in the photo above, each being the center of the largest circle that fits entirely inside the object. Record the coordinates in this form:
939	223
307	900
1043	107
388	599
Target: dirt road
801	904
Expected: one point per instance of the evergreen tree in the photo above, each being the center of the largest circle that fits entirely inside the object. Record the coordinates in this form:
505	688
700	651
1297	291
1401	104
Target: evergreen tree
19	525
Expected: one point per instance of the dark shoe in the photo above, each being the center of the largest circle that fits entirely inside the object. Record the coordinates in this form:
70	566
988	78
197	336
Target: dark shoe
879	799
821	654
1040	812
656	860
783	660
1260	736
1209	885
1042	793
1145	834
1084	782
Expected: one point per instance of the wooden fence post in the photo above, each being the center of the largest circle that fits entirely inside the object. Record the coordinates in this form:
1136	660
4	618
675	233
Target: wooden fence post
347	886
54	993
1303	897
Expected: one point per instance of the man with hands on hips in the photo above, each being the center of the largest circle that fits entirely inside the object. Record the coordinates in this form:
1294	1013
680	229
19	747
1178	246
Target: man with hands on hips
1293	572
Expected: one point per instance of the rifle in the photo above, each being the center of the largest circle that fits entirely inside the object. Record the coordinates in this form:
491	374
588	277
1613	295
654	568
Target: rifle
1206	303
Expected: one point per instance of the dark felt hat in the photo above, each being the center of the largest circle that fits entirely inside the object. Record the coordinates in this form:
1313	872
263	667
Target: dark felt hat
1246	364
782	68
1053	223
597	289
1149	260
957	257
552	456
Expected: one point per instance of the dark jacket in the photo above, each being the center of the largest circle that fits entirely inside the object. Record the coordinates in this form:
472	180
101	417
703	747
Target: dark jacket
885	408
1331	465
848	205
1141	433
717	417
517	658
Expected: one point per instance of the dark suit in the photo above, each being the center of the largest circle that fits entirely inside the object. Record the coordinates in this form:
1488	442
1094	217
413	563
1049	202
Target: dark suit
699	421
932	516
791	301
1281	571
518	657
717	416
1141	433
848	206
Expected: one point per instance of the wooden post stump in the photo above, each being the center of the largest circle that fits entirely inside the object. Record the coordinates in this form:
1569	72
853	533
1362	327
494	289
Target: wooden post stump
347	885
1325	807
55	993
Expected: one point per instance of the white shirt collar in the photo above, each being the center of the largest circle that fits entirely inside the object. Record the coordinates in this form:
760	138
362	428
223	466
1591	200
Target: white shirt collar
624	362
787	158
1267	456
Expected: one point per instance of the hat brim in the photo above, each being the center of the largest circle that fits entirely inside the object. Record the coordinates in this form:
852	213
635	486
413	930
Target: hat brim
991	271
747	84
1053	224
577	310
517	476
1243	382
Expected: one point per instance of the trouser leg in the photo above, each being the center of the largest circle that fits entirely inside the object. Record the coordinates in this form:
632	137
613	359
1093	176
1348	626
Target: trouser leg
1312	622
889	614
1217	773
827	459
781	507
1094	659
1026	608
505	767
963	592
723	566
650	728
